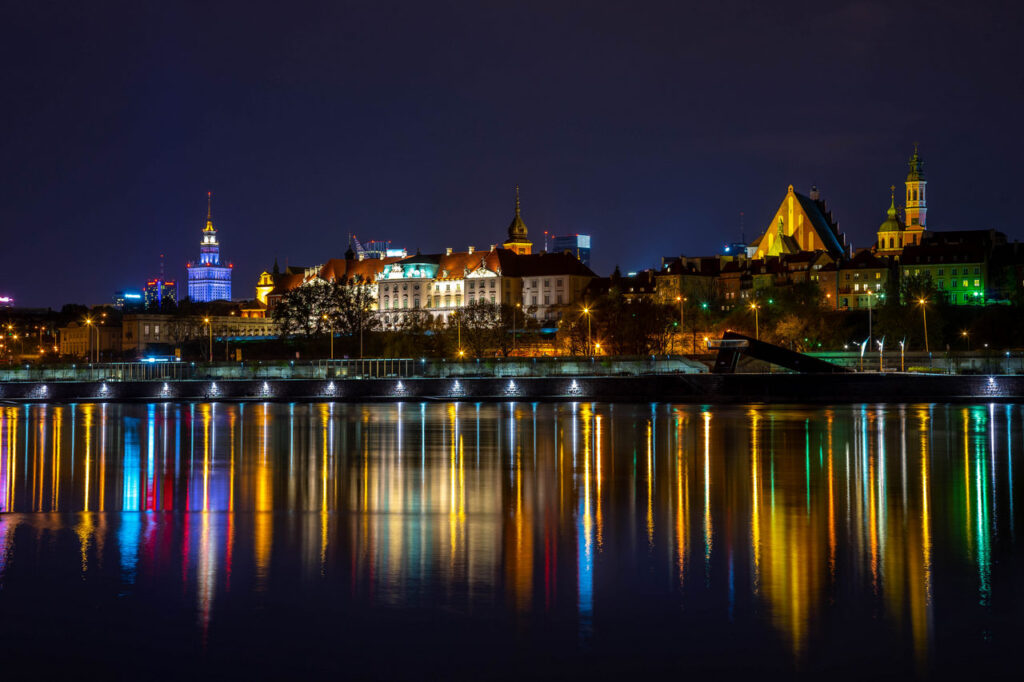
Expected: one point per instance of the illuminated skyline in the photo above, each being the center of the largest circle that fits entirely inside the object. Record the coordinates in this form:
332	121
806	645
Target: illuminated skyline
650	129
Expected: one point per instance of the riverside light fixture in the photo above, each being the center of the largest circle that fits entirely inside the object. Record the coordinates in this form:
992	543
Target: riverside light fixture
757	328
330	327
209	328
586	311
923	302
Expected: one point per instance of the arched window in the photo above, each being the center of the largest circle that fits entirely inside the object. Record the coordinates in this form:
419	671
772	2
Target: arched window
891	242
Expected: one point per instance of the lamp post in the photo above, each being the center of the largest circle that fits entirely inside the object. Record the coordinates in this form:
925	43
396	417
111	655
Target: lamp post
88	336
881	354
458	327
923	302
209	328
967	337
514	309
869	316
903	348
757	327
682	321
586	311
330	329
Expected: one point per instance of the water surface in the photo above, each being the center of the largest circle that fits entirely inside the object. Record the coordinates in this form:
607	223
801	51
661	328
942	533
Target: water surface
426	540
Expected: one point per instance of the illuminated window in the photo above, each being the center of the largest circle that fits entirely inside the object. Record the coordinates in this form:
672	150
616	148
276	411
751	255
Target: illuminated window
977	282
965	284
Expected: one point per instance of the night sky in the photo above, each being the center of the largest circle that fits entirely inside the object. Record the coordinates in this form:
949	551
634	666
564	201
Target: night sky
648	125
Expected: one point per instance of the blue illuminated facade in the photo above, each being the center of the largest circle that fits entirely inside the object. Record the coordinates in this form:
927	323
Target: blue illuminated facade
208	280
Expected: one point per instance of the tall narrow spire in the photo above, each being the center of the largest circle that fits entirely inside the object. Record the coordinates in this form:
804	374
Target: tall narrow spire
517	200
209	212
892	201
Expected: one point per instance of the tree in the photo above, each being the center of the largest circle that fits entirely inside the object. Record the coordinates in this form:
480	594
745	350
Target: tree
481	326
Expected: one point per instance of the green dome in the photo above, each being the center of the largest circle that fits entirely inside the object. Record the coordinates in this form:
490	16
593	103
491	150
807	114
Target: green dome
892	222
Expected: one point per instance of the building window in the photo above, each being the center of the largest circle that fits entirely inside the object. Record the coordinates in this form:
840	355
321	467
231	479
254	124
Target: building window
547	282
953	272
977	282
938	285
558	282
492	283
547	300
533	300
559	299
977	271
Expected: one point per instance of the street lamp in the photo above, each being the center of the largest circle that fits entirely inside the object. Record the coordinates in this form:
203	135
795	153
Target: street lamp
682	320
923	302
903	345
757	328
458	327
967	336
330	327
586	311
209	328
597	349
92	325
869	314
516	307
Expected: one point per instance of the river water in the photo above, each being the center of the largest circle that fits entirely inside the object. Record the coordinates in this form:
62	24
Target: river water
503	539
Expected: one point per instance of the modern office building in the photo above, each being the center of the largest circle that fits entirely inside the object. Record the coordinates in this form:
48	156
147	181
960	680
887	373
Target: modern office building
159	292
576	244
208	280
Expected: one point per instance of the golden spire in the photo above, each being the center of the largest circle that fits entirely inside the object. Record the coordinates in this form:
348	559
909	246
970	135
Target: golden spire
517	200
209	212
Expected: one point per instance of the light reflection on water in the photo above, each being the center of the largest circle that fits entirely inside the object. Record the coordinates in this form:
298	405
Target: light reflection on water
774	531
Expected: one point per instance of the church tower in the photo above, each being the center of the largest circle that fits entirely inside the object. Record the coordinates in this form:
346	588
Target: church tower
917	209
517	237
891	233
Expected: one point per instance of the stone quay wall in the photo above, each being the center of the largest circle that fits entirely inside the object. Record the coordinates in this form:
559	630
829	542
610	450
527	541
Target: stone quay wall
690	388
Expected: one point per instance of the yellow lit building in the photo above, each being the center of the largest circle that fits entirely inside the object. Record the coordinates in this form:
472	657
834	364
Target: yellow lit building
802	223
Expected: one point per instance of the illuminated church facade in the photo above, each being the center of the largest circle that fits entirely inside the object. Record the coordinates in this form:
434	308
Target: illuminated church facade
802	223
208	280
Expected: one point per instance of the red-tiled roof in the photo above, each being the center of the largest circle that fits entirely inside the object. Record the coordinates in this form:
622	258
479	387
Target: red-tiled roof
347	271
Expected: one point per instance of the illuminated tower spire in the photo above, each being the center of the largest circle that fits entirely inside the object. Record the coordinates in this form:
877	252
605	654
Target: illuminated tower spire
917	207
208	280
209	212
518	240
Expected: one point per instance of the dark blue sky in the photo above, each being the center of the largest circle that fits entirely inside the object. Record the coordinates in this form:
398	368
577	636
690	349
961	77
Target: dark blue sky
648	125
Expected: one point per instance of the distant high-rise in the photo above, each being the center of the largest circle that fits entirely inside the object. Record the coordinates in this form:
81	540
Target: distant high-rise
159	292
208	280
577	244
